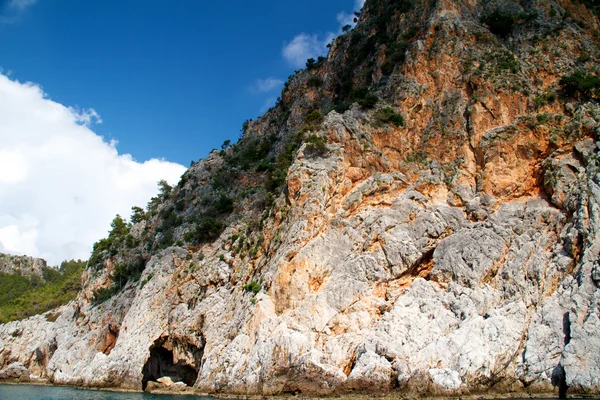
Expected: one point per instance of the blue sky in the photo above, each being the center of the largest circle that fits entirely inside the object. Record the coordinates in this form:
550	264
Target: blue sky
101	99
170	79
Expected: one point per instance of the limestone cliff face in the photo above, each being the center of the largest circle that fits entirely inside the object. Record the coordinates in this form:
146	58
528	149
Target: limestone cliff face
454	251
23	265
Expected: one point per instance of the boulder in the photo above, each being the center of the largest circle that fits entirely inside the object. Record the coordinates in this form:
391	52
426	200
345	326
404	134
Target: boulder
166	380
15	371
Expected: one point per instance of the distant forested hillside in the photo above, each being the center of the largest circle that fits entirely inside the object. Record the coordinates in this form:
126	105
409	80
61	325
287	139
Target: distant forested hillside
24	296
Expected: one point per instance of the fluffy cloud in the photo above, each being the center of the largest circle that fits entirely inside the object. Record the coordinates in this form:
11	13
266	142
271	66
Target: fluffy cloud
60	183
11	10
266	85
21	4
348	19
305	46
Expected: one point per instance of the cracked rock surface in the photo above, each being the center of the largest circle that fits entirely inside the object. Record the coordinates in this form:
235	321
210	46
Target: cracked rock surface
456	253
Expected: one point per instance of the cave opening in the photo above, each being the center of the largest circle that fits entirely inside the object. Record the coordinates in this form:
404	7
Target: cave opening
161	364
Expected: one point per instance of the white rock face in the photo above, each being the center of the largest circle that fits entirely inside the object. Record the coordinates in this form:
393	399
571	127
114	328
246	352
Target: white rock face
445	378
369	279
15	372
23	265
351	310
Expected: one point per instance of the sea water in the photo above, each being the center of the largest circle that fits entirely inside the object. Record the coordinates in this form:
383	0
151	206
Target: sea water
30	392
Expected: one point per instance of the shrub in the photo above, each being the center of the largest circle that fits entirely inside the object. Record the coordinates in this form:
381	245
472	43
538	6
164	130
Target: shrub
544	98
278	173
180	205
592	5
224	204
346	28
117	237
137	215
147	279
543	118
315	145
164	188
369	101
581	85
245	126
314	118
127	271
363	97
397	51
387	67
131	242
411	33
253	287
506	61
52	317
389	116
401	6
101	295
206	229
119	227
314	81
417	157
527	17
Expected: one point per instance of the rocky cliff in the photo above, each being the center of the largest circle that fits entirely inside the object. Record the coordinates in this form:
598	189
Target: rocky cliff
419	212
26	266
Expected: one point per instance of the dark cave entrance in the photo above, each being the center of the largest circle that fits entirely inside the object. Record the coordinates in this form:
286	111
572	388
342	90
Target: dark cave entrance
161	364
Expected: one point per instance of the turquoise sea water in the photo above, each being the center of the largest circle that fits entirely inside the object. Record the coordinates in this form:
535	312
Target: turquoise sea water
28	392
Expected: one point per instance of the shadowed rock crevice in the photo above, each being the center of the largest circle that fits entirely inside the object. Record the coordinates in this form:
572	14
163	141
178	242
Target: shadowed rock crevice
559	379
559	376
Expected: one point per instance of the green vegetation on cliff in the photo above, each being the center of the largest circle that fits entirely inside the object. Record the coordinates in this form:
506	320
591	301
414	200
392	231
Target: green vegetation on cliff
582	85
238	185
243	180
22	297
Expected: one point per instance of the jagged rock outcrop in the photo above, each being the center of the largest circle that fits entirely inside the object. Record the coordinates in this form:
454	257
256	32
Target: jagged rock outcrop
23	265
452	251
15	372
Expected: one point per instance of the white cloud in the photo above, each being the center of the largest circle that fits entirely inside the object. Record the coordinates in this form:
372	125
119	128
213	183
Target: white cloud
12	10
346	19
305	46
85	117
266	85
60	183
21	4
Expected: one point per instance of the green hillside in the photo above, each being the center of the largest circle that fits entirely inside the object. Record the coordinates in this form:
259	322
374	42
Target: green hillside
23	296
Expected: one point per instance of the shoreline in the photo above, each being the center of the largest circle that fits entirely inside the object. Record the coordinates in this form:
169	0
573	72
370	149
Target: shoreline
390	395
